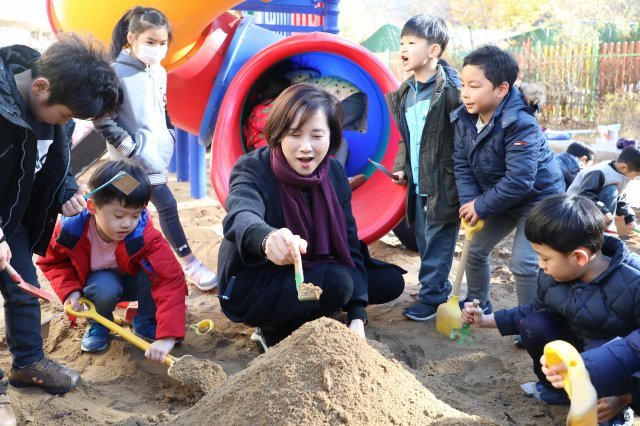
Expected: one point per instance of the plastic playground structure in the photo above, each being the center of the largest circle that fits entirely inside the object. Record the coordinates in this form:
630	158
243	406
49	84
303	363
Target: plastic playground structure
214	61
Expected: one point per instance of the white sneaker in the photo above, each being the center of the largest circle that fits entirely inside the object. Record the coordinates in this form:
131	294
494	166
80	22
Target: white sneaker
204	278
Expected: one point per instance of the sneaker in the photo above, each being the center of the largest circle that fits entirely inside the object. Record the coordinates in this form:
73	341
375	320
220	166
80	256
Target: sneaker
204	278
145	330
517	340
95	338
47	374
258	337
623	418
7	416
266	338
548	396
486	309
419	311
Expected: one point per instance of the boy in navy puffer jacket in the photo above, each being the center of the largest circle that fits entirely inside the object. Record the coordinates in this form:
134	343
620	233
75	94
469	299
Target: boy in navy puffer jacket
503	166
588	292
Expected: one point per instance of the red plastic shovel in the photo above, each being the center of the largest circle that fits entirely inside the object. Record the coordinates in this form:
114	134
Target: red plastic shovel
28	288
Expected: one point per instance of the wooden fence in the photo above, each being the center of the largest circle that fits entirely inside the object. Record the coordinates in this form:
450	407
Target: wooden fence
577	77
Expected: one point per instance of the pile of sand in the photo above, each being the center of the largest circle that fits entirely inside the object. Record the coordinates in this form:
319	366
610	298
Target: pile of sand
322	374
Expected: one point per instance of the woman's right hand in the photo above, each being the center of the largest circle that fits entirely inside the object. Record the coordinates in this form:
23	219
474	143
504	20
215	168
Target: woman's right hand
281	244
5	254
72	299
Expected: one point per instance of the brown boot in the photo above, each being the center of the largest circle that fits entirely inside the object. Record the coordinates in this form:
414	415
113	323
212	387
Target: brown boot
7	418
47	374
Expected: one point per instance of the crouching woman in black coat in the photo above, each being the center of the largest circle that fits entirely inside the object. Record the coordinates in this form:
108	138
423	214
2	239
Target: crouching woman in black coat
290	199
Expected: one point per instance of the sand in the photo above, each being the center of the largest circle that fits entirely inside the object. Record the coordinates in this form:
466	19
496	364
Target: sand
323	374
466	385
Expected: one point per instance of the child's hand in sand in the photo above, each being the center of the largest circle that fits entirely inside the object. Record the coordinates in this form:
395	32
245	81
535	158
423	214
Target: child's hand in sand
159	349
610	406
553	372
357	326
281	244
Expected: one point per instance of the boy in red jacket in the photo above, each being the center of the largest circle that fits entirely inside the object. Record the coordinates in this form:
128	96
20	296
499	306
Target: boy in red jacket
111	252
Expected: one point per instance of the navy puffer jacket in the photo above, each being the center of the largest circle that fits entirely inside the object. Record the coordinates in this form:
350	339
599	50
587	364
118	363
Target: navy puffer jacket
602	309
508	164
570	167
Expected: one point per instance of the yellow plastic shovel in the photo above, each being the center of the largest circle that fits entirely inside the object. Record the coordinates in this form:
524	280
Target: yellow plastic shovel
448	313
584	399
200	375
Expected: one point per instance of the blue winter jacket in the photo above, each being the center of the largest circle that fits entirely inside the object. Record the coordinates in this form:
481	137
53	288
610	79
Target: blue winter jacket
612	365
600	310
569	166
508	164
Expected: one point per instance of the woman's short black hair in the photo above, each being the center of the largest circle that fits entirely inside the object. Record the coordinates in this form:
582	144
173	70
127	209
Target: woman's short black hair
304	100
138	198
566	222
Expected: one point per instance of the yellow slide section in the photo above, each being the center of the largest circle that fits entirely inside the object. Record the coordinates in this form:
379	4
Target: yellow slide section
188	19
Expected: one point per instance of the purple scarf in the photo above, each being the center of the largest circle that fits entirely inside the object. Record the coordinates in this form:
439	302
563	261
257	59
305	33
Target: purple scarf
324	228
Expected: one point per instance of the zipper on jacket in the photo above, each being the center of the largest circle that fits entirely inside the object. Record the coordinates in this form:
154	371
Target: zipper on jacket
26	135
64	176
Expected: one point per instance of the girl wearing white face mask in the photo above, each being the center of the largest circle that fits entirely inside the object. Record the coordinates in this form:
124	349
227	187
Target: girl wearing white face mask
142	129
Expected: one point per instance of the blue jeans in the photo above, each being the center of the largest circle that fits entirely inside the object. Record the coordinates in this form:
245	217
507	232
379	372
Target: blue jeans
609	197
106	288
523	264
21	310
436	245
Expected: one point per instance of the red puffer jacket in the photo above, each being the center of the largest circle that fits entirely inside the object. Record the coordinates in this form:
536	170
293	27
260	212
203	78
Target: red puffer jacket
67	266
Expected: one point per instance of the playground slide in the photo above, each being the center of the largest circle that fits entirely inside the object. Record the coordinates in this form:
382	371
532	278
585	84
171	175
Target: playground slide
188	19
378	204
212	65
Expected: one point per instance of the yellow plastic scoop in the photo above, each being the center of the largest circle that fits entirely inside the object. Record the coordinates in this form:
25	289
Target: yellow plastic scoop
199	375
584	399
448	315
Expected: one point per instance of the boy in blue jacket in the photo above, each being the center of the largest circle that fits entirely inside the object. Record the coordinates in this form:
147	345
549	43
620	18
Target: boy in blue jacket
588	290
421	108
577	157
503	167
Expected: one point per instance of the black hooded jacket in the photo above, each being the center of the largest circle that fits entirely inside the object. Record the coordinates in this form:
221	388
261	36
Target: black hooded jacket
27	197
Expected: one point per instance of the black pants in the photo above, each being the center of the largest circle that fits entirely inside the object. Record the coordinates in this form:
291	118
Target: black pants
164	201
540	328
270	300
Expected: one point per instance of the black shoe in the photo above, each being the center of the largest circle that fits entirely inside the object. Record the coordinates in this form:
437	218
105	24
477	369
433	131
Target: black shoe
518	341
50	375
547	395
419	311
266	338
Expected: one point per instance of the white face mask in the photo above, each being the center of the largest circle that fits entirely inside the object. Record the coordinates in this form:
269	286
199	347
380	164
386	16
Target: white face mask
151	55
